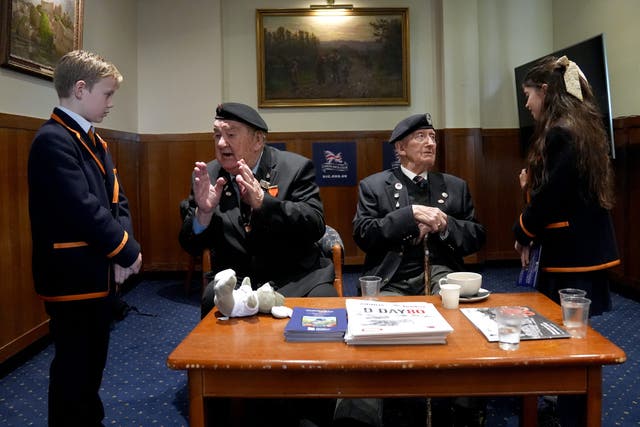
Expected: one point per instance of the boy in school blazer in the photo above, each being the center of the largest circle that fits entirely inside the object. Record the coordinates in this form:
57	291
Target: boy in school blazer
82	235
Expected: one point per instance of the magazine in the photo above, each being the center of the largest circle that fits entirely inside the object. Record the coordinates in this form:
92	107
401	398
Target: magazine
380	322
534	325
529	274
316	324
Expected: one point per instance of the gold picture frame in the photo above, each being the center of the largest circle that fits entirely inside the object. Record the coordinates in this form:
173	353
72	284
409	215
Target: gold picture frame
34	36
332	57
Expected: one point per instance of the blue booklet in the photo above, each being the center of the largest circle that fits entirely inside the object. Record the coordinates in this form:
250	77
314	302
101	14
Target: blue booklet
529	274
316	324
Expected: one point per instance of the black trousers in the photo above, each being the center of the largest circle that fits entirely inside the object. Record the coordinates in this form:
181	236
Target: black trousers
80	332
276	412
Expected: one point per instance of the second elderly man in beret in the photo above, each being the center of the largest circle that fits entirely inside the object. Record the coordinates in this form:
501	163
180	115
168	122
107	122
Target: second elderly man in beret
415	226
410	217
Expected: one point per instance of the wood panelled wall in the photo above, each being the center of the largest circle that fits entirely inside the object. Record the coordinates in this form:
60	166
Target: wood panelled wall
155	173
22	316
625	213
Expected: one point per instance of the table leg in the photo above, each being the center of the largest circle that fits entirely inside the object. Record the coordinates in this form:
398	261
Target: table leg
594	396
529	415
196	399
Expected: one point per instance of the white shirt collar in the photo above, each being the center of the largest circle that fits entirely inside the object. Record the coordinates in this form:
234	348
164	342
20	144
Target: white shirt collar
84	123
412	175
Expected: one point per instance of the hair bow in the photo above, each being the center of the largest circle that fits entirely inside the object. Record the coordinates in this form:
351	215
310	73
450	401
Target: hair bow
572	74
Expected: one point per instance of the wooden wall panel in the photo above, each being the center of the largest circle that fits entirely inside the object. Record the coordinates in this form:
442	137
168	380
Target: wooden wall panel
22	316
155	172
625	213
458	153
340	202
498	197
632	255
165	179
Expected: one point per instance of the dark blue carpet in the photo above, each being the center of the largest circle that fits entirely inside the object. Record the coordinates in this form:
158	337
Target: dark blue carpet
139	390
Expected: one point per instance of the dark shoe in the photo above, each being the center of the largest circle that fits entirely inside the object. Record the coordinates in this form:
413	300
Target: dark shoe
548	412
469	417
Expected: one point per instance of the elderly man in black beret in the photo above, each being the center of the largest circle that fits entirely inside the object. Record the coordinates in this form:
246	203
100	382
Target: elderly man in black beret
410	221
258	209
410	217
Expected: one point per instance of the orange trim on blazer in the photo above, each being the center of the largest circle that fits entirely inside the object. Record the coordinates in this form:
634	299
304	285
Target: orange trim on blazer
581	269
77	134
561	224
67	245
76	297
116	186
117	250
531	235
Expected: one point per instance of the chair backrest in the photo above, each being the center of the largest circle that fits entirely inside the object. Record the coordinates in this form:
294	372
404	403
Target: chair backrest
184	208
332	247
330	238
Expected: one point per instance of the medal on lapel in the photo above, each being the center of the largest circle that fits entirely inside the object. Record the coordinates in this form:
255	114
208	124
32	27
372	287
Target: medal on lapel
271	189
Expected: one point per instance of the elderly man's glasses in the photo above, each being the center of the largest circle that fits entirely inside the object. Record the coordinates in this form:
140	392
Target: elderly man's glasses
424	137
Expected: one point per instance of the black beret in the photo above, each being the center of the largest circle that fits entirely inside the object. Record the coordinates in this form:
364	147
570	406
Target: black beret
410	124
240	113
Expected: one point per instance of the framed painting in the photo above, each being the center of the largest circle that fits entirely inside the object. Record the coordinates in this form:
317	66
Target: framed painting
332	57
35	34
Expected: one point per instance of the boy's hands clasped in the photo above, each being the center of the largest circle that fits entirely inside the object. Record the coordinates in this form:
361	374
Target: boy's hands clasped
122	273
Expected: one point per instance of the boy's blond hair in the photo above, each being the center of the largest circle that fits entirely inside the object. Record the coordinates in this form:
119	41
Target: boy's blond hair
82	65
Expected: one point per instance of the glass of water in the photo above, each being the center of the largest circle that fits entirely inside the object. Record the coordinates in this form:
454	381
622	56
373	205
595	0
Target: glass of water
575	315
509	321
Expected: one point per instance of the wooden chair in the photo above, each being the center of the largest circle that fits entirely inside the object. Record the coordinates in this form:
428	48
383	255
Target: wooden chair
331	245
194	260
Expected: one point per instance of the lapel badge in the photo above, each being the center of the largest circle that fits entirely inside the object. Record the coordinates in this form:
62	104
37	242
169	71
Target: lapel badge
273	190
264	184
398	186
440	201
227	193
396	195
445	195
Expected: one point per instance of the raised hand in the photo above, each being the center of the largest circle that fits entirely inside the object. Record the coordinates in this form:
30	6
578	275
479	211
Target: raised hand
206	195
250	191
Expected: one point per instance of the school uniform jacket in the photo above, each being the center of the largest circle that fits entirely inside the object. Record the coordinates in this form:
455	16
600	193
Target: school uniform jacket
80	223
384	225
575	232
278	242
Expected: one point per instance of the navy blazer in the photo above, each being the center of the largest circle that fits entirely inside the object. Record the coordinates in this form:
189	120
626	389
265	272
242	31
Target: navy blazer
80	222
575	232
384	224
281	246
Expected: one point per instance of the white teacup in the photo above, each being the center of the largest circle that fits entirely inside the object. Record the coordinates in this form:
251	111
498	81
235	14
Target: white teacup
469	282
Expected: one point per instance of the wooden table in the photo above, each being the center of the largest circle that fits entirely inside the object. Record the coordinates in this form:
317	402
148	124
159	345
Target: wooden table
248	357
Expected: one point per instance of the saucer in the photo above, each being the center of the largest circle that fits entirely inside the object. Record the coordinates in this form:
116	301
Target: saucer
481	295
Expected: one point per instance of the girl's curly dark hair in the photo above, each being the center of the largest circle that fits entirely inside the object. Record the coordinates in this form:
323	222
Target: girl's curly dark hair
583	119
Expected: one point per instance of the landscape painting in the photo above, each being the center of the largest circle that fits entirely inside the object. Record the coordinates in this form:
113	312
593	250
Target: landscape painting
332	57
35	34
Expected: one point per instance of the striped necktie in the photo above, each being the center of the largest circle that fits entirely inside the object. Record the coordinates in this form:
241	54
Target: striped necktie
92	135
420	181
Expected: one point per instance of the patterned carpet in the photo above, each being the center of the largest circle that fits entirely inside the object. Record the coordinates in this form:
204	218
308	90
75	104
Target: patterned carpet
139	390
